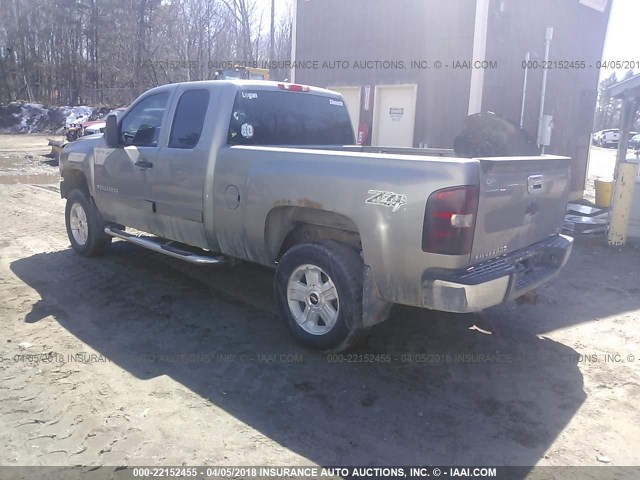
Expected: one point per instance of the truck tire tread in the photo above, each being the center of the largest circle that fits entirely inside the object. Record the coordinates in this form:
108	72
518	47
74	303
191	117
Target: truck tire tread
346	269
97	242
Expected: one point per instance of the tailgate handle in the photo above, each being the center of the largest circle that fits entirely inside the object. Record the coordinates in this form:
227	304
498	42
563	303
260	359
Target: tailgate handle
534	183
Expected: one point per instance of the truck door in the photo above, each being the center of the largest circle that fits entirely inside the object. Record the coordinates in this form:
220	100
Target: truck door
124	175
180	170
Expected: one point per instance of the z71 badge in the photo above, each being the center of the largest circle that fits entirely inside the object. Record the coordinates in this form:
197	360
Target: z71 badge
387	199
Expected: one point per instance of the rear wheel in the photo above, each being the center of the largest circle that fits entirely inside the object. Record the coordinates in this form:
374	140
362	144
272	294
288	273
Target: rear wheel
85	227
318	290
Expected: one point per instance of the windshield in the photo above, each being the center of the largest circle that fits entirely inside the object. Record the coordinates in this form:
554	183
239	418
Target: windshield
266	117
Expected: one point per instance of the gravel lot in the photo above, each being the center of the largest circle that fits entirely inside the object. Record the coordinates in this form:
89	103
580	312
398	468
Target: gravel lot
136	358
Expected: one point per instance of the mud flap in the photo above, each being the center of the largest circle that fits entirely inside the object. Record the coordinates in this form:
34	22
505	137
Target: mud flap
374	309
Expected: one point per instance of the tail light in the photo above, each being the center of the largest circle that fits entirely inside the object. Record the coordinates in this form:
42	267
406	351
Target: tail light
293	87
450	220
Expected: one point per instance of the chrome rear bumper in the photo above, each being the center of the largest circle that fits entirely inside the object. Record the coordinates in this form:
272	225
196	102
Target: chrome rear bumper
496	281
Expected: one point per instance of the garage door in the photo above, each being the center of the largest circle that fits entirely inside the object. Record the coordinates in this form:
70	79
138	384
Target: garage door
394	115
351	97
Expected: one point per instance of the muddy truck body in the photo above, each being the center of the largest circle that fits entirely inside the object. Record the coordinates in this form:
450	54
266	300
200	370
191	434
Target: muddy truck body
268	173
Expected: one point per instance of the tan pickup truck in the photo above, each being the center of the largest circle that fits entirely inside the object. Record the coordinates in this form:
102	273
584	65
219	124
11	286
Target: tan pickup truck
267	172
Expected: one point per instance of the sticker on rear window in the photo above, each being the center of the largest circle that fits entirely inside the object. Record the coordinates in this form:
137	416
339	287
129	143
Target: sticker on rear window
246	130
249	95
339	103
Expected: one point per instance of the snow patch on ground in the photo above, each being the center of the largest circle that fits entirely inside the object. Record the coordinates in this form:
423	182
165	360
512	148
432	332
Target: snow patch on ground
24	117
77	114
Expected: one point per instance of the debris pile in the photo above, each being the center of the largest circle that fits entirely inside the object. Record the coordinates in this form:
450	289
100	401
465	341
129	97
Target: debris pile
585	219
24	117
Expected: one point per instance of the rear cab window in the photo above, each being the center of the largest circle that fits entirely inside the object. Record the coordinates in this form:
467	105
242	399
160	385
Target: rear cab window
188	119
273	117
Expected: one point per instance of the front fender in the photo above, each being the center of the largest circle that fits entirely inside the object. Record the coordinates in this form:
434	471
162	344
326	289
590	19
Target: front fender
76	159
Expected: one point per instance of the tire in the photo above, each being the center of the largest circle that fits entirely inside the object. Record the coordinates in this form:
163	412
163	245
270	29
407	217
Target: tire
322	283
85	227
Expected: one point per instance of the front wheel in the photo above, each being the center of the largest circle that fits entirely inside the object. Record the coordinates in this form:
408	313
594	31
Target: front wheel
85	227
318	290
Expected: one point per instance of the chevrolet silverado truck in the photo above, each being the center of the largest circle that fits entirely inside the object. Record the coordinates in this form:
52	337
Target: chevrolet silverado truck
268	173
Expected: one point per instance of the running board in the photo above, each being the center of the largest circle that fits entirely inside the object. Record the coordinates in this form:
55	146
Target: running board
163	246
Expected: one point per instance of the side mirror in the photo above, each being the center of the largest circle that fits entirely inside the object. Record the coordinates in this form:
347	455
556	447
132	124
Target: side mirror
111	131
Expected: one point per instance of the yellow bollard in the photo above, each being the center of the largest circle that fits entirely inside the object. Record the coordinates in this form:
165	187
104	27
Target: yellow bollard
621	202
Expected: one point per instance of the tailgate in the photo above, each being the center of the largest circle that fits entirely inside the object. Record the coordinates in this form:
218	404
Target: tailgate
522	201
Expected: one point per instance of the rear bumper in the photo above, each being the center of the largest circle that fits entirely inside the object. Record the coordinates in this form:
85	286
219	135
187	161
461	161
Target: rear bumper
496	281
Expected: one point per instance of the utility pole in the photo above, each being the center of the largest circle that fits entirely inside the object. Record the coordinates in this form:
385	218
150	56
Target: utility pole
547	44
527	58
272	49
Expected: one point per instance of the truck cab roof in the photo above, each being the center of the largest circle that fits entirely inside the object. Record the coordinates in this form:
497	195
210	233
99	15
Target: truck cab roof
241	84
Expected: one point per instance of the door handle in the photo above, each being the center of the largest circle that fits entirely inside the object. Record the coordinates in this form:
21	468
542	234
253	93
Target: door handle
143	163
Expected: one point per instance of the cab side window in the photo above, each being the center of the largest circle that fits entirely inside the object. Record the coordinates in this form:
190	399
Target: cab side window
189	119
141	126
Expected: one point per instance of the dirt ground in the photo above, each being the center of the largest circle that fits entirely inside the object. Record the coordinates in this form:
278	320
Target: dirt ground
136	358
22	160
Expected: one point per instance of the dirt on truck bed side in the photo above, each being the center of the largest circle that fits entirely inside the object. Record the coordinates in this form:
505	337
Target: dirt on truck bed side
135	358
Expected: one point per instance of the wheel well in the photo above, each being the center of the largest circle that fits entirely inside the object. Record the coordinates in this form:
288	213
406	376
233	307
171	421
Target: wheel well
73	180
288	226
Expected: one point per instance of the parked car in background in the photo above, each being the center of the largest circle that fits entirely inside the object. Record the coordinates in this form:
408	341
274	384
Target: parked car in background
76	130
634	140
92	127
595	137
606	138
97	126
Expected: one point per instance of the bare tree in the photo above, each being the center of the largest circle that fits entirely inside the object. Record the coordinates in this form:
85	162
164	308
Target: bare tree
244	12
108	51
